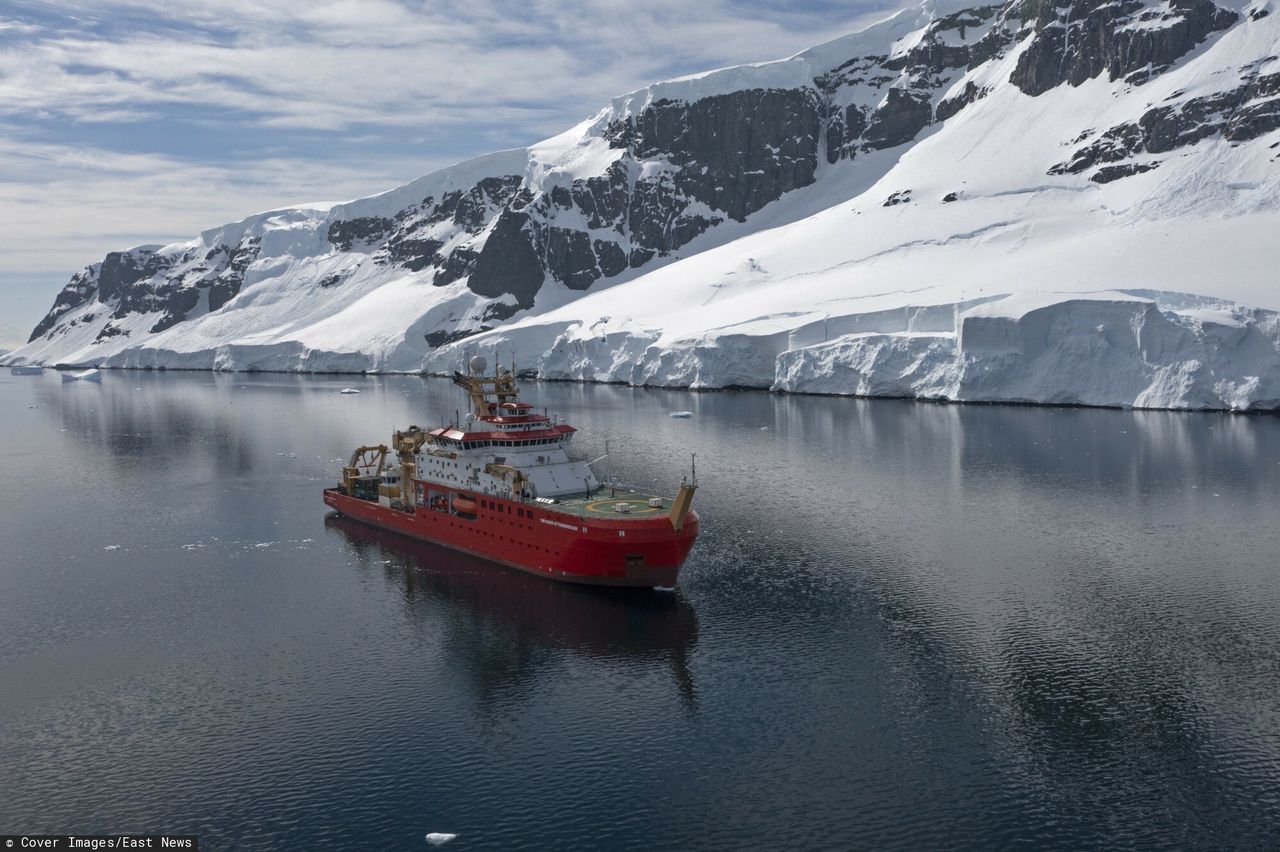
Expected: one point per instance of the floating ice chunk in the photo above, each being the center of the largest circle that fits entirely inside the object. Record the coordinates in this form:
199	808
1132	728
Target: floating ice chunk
681	415
349	390
664	588
93	375
112	547
437	838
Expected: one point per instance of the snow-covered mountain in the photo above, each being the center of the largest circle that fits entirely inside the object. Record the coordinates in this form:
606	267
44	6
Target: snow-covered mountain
1071	202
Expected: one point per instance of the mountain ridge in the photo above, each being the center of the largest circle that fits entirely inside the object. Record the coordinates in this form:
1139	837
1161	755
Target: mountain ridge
823	152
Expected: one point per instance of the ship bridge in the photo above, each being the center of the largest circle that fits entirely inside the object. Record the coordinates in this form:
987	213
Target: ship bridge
505	449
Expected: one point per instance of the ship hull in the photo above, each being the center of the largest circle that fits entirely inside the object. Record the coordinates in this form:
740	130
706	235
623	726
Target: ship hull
541	541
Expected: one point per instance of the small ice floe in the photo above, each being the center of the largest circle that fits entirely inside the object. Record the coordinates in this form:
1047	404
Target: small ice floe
93	375
664	588
112	547
681	415
349	390
436	838
264	544
764	428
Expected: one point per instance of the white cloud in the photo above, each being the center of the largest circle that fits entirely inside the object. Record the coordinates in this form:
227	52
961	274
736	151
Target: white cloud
332	65
447	78
74	204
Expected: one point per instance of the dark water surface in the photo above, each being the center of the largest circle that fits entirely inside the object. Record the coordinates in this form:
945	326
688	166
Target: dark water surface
905	626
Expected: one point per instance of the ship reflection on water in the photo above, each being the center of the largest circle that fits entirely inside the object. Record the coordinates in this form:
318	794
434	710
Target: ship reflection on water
512	624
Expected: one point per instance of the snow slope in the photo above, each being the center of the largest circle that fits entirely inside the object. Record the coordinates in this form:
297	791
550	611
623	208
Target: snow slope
958	203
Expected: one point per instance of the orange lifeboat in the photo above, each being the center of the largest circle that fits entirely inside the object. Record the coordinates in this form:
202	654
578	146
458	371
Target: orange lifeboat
463	503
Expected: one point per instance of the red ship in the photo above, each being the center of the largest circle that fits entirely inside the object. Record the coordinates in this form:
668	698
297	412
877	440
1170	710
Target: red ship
503	487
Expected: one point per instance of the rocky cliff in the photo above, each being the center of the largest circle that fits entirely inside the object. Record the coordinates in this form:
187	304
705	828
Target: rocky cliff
1027	100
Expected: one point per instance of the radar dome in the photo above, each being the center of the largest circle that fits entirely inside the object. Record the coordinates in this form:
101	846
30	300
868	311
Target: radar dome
479	364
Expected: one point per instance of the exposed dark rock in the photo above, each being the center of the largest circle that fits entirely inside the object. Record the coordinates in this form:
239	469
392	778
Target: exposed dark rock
228	283
609	257
178	305
109	331
902	115
348	234
1240	114
1259	111
950	106
1077	40
440	337
121	270
930	66
735	152
603	199
470	210
991	45
499	311
78	291
935	53
508	263
1258	14
562	197
620	133
844	131
653	205
569	258
494	312
639	257
1106	174
685	167
457	265
412	253
1116	144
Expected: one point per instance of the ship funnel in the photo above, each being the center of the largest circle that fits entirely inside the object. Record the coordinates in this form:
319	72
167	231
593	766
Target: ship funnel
478	364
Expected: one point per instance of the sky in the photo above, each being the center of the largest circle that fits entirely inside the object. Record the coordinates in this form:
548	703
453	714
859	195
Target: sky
126	122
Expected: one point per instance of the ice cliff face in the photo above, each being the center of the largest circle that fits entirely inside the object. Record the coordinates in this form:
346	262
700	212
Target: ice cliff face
1062	202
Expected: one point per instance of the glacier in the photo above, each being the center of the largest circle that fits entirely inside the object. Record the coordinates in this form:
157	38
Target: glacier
958	203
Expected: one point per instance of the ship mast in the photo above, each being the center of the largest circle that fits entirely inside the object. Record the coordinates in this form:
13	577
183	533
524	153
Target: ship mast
502	386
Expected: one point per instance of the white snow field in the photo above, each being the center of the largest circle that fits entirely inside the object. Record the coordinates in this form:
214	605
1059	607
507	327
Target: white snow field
1157	290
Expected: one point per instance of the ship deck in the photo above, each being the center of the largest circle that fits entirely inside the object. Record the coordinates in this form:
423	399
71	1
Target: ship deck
602	503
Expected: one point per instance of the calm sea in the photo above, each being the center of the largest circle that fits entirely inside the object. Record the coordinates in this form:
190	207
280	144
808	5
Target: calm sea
905	626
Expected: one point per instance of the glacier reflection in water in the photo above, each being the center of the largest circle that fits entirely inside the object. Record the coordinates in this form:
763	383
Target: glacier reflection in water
905	626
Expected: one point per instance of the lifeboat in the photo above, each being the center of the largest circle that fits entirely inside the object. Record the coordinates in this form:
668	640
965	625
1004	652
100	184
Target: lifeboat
465	504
